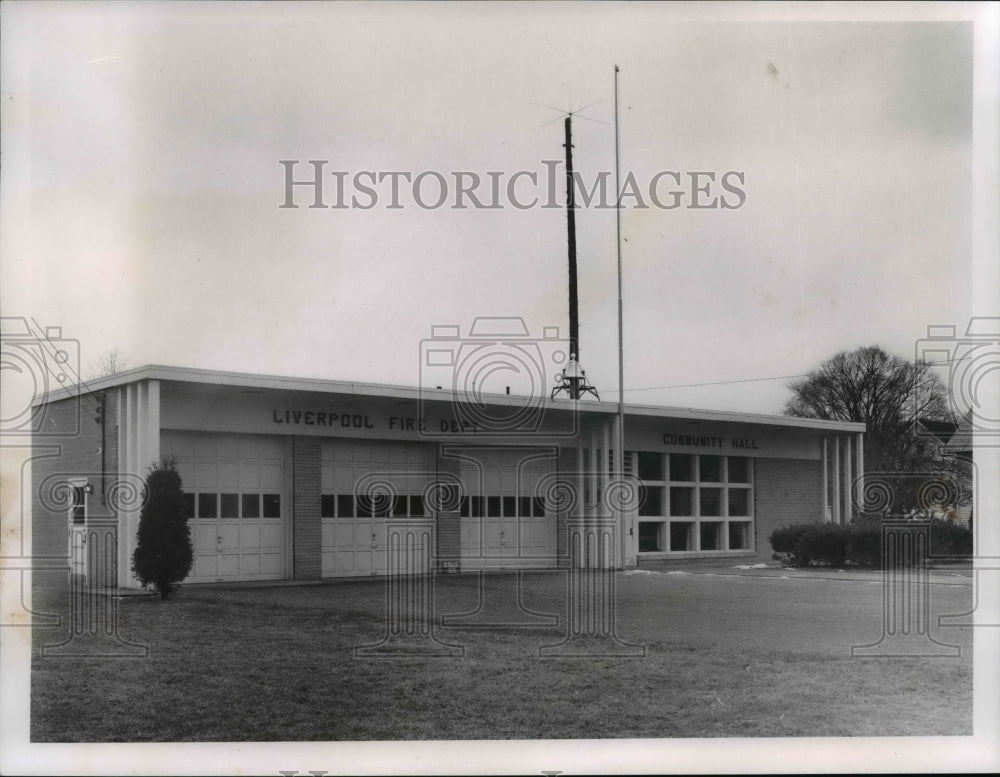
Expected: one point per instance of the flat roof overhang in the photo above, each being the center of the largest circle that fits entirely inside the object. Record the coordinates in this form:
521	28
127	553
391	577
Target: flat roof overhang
242	380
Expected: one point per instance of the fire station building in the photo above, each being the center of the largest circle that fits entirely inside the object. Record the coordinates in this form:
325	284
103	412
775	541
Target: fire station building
302	479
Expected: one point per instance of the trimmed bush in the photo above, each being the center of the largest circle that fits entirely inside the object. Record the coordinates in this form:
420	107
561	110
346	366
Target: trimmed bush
859	543
950	539
864	543
163	554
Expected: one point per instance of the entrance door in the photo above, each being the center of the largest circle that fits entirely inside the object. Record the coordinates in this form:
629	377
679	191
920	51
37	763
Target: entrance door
78	529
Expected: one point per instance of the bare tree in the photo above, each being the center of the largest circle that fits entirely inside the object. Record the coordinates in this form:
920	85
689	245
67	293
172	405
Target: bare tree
111	363
890	395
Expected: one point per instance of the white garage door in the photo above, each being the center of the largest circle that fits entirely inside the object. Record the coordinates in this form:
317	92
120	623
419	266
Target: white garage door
234	487
369	487
504	521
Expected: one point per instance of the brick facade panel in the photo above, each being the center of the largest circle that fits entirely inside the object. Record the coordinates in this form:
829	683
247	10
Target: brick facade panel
307	526
785	491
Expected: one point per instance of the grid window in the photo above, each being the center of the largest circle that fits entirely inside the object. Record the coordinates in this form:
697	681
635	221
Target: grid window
79	505
739	501
711	495
739	535
188	504
492	507
739	469
416	505
652	501
650	466
509	506
681	468
711	501
208	505
682	535
399	506
327	506
251	505
538	504
682	500
272	505
345	505
650	537
524	506
711	535
710	469
229	506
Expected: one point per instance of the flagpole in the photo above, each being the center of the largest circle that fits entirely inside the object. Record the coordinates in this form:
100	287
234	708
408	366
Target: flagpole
620	464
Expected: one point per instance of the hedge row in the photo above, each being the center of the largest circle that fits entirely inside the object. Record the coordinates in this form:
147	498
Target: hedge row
858	543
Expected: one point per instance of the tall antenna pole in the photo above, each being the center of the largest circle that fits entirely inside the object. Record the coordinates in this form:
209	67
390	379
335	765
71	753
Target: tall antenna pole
574	319
620	459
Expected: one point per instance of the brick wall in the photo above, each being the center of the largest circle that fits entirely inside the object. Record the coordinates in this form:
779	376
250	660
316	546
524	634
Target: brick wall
785	491
306	521
71	448
449	526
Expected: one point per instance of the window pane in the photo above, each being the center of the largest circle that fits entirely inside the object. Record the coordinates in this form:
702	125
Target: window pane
710	469
739	501
363	504
681	467
524	506
79	508
711	501
476	506
345	505
272	505
399	505
251	505
416	504
711	536
327	505
208	506
230	504
739	469
463	508
539	506
652	503
681	536
189	505
739	535
650	466
492	507
508	506
650	537
682	500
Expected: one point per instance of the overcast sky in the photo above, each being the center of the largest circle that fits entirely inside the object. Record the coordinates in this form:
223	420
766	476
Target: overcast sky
143	185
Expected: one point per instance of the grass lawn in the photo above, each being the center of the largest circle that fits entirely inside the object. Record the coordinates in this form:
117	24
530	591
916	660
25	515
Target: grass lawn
724	657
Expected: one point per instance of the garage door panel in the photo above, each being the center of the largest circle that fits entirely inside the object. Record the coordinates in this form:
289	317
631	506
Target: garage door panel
206	475
249	536
228	476
271	535
229	534
232	548
206	566
249	564
229	564
249	475
271	475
